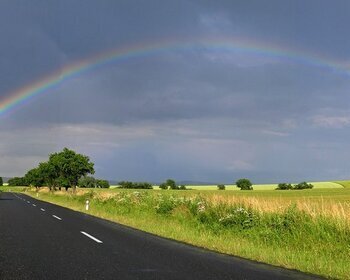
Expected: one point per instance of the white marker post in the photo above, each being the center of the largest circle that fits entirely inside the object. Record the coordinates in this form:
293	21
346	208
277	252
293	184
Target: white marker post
87	205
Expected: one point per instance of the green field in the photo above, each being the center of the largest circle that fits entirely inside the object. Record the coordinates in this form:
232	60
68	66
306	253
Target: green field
345	184
263	187
308	230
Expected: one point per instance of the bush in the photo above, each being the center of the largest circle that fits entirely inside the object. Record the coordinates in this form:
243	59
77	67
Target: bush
244	184
163	186
284	186
136	185
166	205
239	216
102	184
169	184
221	187
87	182
182	187
303	186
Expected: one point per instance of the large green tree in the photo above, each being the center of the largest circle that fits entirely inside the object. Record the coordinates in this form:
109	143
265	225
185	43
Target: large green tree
71	166
35	178
1	181
244	184
50	174
17	181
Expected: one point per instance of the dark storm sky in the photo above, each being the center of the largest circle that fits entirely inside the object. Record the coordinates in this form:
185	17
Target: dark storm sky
206	115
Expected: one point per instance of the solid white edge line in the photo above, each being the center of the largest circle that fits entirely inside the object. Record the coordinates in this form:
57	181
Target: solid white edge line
42	209
58	218
90	236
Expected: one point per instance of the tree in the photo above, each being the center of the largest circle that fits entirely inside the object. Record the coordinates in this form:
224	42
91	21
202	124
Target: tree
17	181
102	184
51	174
182	187
71	166
87	182
163	186
137	185
1	181
303	186
244	184
126	185
284	186
35	177
171	184
221	187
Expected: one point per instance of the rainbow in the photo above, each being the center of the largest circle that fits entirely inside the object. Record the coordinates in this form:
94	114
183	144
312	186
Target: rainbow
43	85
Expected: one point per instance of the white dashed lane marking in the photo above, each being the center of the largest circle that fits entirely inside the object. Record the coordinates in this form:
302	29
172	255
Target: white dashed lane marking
91	237
56	217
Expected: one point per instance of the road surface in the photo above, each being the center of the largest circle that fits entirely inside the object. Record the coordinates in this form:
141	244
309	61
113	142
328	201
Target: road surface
39	240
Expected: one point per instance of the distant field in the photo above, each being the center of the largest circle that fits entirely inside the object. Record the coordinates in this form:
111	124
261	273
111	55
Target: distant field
345	184
263	187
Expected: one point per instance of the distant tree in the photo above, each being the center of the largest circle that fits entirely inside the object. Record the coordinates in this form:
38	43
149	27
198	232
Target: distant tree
303	186
87	182
17	181
104	184
163	186
1	182
284	186
126	185
182	187
136	185
244	184
171	184
71	167
221	187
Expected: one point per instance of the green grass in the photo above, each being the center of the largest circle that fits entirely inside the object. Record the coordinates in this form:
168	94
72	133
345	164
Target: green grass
345	184
287	237
6	188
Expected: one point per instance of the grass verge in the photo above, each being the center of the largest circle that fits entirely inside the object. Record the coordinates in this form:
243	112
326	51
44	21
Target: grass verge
287	237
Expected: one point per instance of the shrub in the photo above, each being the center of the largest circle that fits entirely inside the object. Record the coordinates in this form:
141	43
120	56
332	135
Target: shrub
169	184
102	184
303	186
166	205
87	182
221	187
284	186
239	216
136	185
182	187
244	184
163	186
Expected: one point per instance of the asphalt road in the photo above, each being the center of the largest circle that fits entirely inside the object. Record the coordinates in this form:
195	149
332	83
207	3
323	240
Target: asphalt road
39	240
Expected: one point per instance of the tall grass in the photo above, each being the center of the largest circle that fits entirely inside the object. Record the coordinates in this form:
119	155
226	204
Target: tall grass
302	235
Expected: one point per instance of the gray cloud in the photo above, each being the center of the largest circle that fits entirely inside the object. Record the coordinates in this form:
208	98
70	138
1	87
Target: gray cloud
196	114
